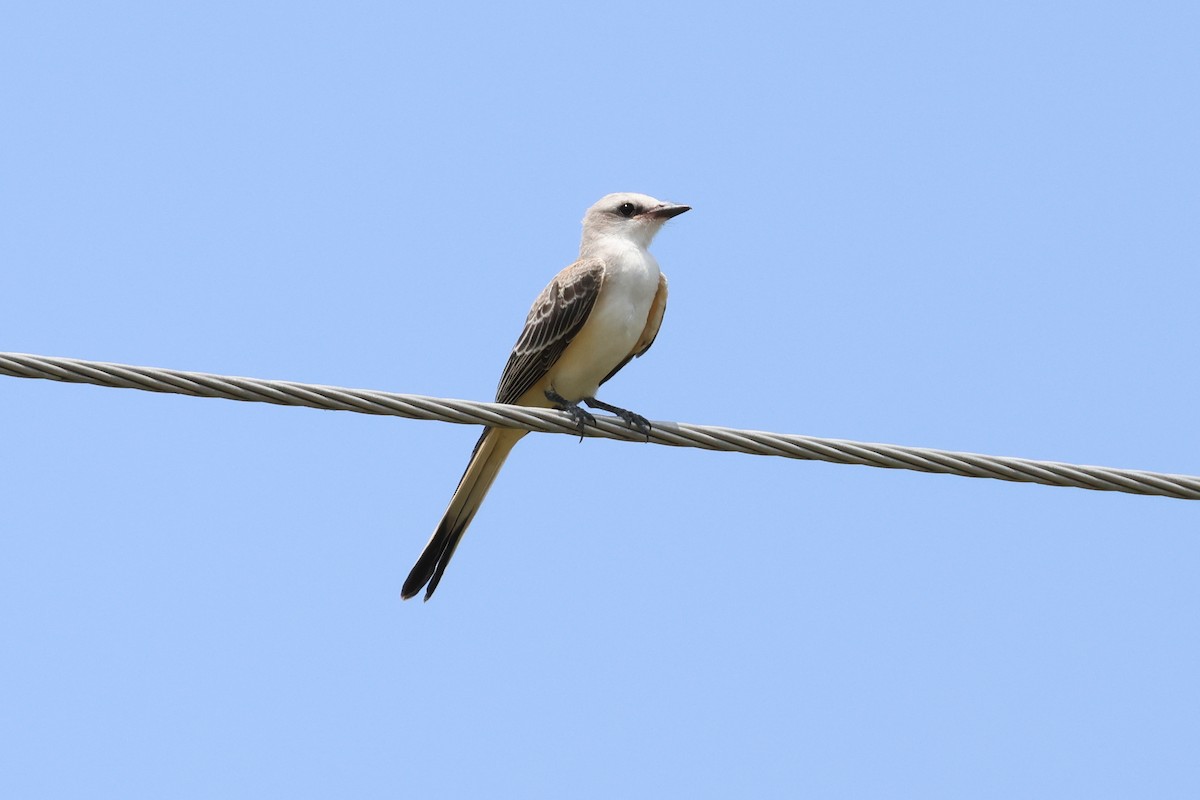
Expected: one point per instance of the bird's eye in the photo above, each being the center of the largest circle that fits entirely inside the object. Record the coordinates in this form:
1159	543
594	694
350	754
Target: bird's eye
627	209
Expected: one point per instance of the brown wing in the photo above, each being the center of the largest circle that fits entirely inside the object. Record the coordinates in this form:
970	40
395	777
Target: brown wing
555	319
653	323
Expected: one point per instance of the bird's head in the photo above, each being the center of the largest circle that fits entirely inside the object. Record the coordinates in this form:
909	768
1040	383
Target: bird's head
629	216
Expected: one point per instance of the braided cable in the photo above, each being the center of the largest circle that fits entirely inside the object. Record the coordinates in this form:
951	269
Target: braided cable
678	434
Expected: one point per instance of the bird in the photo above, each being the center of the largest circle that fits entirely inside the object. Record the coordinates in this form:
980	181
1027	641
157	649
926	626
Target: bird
592	319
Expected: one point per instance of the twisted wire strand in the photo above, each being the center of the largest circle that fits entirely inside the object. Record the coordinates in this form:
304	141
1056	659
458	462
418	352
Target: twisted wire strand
678	434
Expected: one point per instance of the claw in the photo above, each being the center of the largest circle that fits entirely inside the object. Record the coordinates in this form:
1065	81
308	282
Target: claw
580	417
635	421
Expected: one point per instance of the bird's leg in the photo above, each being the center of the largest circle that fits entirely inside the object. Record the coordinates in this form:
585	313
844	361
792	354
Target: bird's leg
581	417
631	419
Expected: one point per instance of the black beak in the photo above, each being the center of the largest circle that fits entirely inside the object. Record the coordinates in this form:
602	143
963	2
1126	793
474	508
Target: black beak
666	211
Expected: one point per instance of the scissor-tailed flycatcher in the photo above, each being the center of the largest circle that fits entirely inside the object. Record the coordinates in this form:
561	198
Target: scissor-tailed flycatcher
595	316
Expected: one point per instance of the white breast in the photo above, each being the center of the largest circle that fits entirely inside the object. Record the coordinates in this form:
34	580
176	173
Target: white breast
614	326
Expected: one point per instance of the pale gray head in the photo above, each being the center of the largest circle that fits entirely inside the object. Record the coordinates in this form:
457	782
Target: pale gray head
629	216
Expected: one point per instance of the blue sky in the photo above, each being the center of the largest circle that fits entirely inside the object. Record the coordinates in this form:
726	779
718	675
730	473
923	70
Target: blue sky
964	226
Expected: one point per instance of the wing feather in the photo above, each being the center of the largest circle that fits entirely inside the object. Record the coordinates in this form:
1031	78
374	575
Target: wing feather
556	318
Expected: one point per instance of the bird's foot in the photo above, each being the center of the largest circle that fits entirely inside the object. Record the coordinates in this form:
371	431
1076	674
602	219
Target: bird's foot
580	417
635	421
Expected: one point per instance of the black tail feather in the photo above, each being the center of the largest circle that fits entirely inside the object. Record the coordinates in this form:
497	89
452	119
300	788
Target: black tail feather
472	487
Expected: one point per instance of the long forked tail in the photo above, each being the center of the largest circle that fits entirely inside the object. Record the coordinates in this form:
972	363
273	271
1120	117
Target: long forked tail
490	452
